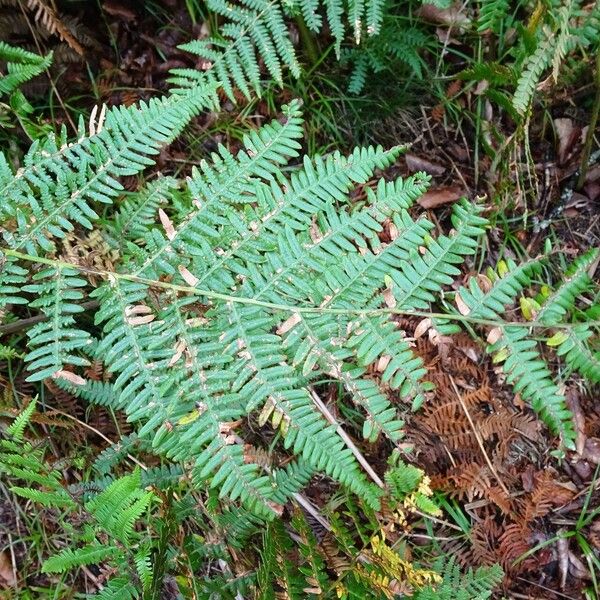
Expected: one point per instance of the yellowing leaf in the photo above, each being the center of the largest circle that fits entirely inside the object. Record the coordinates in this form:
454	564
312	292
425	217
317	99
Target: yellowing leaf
557	339
529	308
502	268
500	356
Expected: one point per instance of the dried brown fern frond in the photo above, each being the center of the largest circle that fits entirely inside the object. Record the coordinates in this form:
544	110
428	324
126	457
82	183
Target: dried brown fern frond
484	541
335	559
515	541
46	16
547	493
89	250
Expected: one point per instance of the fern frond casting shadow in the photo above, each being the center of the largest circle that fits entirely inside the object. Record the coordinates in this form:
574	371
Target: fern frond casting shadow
233	302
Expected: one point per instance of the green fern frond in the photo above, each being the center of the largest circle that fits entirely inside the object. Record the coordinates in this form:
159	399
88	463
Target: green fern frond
505	289
138	213
276	568
143	567
253	29
21	66
12	279
59	181
225	179
576	350
119	506
118	588
8	353
48	499
473	585
379	339
530	377
418	277
68	558
492	14
17	427
53	342
95	392
532	71
575	281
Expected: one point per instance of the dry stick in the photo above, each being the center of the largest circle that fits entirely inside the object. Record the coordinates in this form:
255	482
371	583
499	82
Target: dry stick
30	321
361	459
13	559
97	432
478	437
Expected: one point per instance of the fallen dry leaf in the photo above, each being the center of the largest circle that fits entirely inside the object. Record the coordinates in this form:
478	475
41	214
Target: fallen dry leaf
7	575
591	450
450	17
463	309
422	328
442	195
188	277
567	134
416	163
116	9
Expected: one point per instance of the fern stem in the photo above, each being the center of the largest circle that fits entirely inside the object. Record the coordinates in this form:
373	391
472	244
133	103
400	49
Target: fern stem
160	560
308	41
589	139
280	307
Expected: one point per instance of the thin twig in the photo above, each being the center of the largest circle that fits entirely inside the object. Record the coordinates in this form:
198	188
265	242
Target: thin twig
17	326
361	459
479	438
312	510
97	432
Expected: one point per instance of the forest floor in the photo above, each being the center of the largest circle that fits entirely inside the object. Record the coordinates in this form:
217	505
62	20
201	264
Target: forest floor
509	496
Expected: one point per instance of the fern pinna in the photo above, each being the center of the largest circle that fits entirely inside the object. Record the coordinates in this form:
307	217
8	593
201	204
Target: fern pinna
256	30
230	305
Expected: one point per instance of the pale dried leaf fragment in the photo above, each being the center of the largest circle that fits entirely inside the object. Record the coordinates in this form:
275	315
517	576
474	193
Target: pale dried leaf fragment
276	508
137	309
463	309
229	426
167	224
422	327
315	232
389	298
494	335
453	16
383	362
289	323
180	348
188	277
142	320
417	163
69	376
484	282
562	546
572	398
